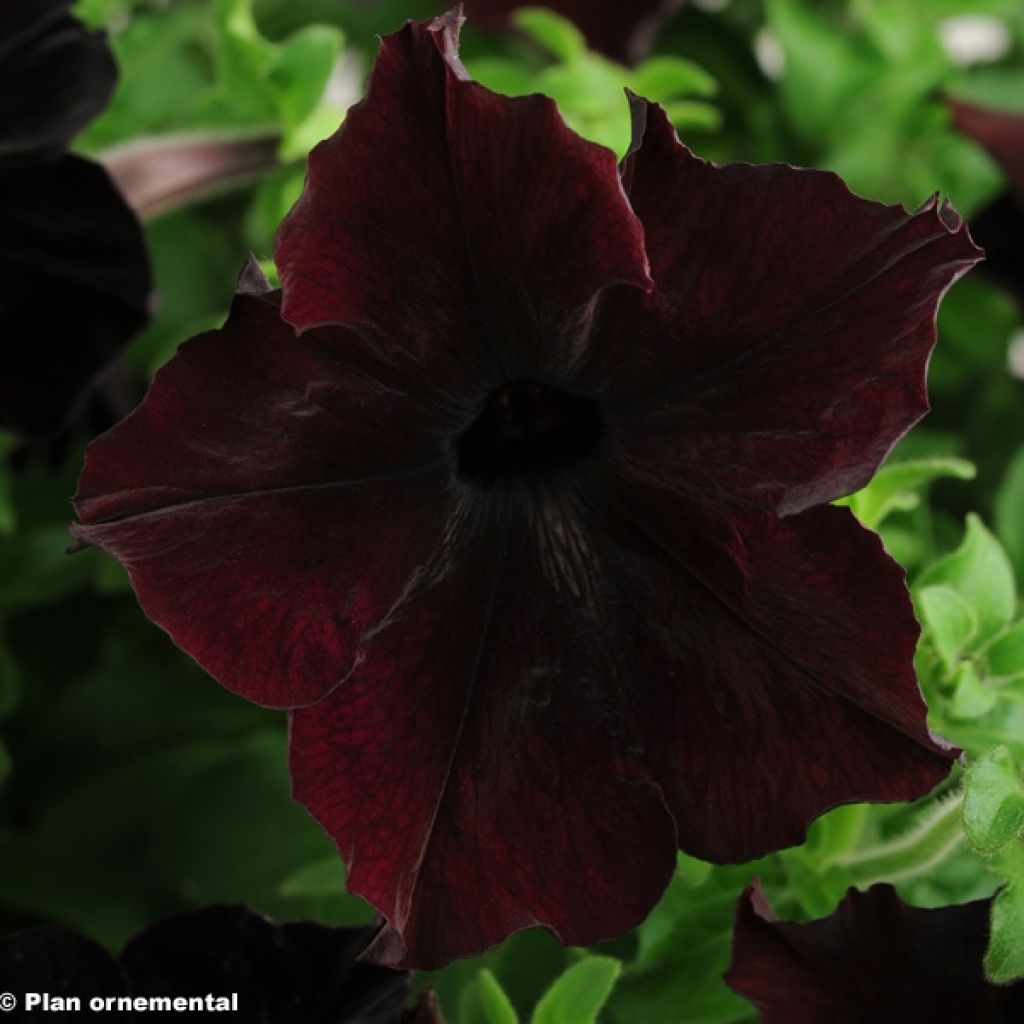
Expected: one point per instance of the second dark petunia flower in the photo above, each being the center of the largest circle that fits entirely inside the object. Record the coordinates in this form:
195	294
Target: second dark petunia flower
74	270
529	523
876	960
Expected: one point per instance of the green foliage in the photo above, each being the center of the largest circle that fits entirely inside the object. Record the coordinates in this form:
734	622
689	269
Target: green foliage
898	486
207	66
993	802
1009	511
1004	959
578	995
980	573
483	1001
861	86
950	620
589	89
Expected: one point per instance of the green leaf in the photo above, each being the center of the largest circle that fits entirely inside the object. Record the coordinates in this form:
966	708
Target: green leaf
165	73
981	574
949	621
299	75
663	78
824	68
244	59
895	486
35	568
98	13
1009	510
691	114
501	75
993	802
1004	657
5	763
1004	959
324	877
578	995
556	34
483	1001
971	697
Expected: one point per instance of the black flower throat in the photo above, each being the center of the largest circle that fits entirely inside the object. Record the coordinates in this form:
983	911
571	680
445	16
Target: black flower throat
527	430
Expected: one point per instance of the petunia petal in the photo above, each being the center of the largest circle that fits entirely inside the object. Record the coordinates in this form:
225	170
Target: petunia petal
55	77
281	974
1001	132
474	771
473	230
74	287
288	973
875	961
783	351
999	227
270	538
772	669
504	747
61	963
622	31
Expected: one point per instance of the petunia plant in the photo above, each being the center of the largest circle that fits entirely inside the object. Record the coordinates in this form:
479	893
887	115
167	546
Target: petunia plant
527	523
539	495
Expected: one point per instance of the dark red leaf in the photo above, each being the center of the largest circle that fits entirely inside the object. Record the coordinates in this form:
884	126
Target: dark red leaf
874	961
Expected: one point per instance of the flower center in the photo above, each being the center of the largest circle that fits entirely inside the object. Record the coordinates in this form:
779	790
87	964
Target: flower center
527	430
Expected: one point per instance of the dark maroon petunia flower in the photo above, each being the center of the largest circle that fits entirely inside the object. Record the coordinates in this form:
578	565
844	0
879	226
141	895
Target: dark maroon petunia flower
282	974
622	31
999	227
73	262
528	523
874	961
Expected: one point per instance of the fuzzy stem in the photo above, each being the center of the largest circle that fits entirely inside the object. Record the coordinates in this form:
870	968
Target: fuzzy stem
929	842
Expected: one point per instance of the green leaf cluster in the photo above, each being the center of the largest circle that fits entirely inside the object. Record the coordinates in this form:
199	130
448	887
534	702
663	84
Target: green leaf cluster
589	89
